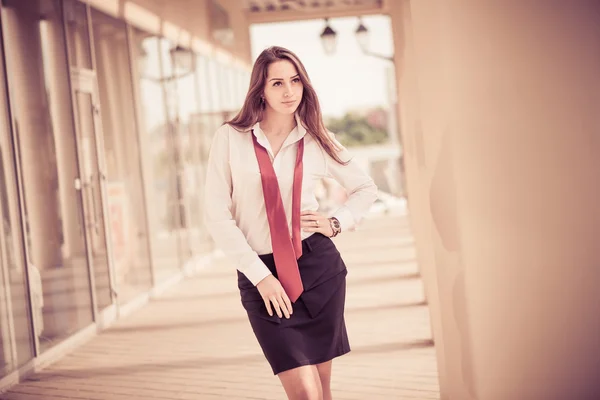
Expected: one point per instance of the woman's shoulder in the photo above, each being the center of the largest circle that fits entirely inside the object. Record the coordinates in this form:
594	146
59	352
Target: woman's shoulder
332	137
231	135
338	147
229	129
223	132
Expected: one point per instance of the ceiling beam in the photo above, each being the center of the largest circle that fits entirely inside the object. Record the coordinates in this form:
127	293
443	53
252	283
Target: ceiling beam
265	17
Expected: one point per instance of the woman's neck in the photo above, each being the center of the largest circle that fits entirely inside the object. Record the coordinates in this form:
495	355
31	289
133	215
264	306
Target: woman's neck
275	124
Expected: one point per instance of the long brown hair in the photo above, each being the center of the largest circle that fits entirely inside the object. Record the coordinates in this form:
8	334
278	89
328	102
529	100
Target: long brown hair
309	109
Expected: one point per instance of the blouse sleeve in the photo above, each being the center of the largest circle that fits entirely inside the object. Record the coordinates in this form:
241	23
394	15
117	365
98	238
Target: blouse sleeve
361	189
218	216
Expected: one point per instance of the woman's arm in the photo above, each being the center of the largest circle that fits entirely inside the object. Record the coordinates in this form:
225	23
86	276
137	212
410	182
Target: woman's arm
362	191
217	211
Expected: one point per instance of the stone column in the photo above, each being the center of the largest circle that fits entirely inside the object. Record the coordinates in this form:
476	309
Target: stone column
417	166
508	96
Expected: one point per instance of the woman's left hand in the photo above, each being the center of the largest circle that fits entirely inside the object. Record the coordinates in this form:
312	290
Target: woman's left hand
313	221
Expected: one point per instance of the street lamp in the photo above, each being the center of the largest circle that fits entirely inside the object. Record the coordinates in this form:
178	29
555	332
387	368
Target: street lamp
362	36
182	62
328	38
182	59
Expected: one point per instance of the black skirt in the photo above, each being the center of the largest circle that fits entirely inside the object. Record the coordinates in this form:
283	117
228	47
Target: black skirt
316	331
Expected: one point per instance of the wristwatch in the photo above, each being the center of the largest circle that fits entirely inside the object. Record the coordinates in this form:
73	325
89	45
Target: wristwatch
335	226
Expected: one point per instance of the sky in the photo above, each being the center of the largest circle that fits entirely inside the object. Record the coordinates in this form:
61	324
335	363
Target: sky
345	81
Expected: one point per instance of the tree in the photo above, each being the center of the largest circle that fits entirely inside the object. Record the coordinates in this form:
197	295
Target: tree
354	129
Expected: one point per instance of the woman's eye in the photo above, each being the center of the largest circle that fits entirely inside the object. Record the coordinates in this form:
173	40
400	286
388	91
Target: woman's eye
296	80
277	84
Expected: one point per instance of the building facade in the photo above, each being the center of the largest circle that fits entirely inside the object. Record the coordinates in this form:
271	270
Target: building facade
107	109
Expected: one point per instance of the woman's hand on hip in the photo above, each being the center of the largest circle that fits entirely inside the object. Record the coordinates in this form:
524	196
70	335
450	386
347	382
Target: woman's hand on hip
272	293
314	221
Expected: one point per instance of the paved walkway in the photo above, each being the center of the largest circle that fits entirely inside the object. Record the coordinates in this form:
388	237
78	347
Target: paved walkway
194	342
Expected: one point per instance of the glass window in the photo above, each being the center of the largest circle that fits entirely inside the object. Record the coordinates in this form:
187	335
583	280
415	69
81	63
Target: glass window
124	188
214	76
156	132
189	141
225	88
238	89
202	128
43	123
76	24
243	85
15	332
233	88
204	84
178	82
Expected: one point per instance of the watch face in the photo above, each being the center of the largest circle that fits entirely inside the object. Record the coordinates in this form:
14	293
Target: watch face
336	223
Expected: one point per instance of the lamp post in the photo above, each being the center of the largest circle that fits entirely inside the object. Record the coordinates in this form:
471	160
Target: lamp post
182	65
182	59
362	37
329	40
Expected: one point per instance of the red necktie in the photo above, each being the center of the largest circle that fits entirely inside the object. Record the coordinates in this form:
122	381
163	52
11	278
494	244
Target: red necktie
286	251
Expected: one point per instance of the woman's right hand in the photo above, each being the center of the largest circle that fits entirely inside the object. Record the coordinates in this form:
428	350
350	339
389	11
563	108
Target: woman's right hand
272	293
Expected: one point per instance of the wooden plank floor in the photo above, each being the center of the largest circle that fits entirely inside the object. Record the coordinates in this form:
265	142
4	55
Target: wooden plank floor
194	342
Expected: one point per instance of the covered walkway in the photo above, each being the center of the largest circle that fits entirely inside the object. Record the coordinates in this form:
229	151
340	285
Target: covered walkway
194	341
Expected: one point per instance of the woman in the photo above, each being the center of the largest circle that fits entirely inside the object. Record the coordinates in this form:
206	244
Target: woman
261	210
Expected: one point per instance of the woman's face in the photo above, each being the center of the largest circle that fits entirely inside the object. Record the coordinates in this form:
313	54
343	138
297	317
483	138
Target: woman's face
283	89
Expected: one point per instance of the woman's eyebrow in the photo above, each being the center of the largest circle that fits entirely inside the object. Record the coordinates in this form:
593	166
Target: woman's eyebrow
280	79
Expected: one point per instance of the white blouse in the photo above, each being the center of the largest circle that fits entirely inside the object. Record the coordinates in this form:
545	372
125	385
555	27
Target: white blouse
234	208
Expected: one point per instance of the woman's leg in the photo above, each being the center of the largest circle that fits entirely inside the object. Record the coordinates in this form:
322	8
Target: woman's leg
302	383
324	370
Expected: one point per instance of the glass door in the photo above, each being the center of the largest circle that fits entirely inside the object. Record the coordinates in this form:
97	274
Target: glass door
91	182
128	232
46	167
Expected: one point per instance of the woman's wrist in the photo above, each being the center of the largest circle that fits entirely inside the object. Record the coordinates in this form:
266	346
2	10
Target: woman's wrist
335	226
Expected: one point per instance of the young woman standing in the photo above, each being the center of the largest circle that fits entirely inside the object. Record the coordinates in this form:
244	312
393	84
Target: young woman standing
261	210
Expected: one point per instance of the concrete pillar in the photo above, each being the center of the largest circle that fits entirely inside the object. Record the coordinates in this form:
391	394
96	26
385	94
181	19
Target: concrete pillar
417	167
508	97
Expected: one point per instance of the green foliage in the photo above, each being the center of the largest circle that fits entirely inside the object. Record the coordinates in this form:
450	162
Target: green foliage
354	129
